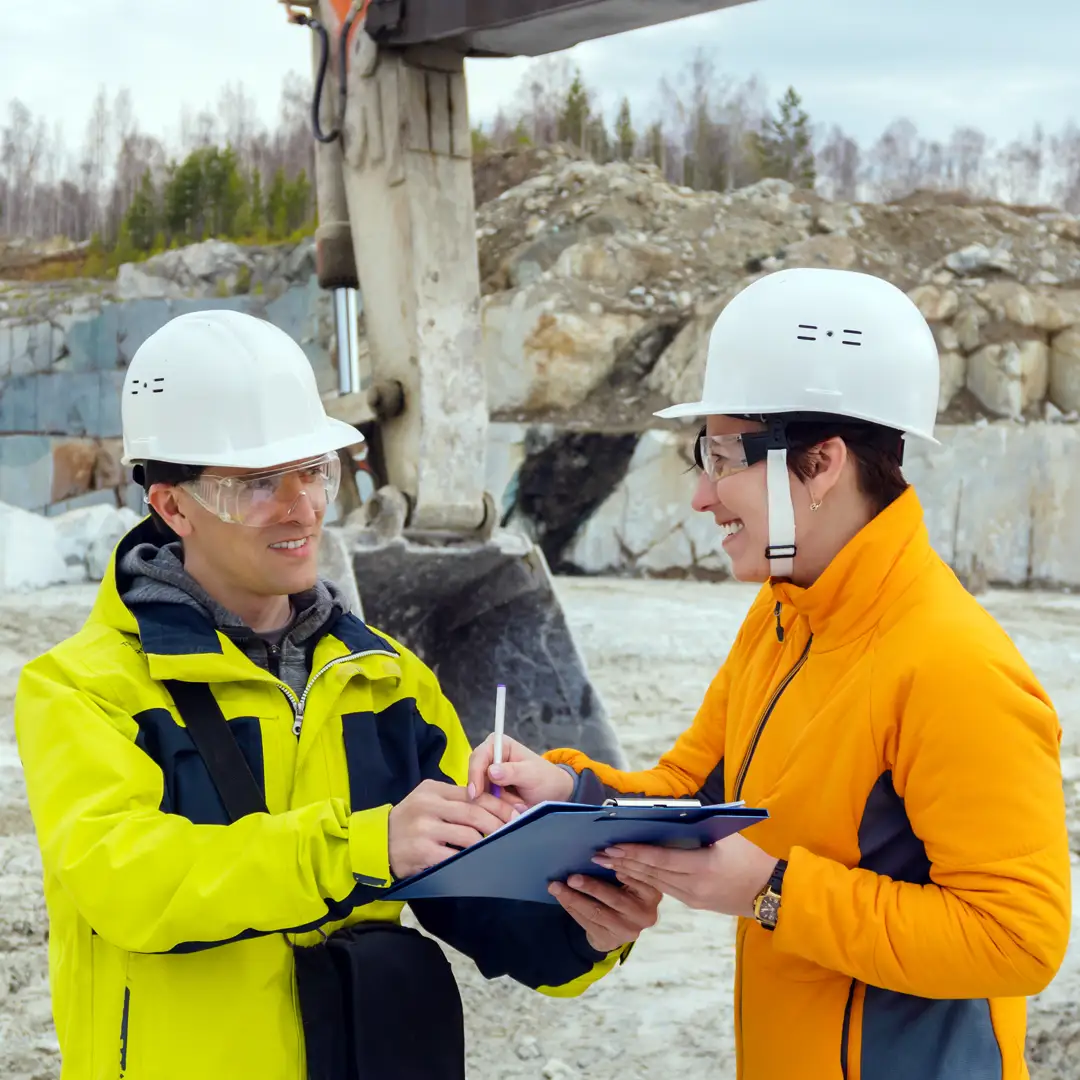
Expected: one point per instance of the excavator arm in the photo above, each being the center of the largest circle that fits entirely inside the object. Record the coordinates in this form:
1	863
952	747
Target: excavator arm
504	28
397	228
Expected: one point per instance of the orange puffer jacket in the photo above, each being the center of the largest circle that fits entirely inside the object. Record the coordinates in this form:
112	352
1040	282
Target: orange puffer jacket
909	761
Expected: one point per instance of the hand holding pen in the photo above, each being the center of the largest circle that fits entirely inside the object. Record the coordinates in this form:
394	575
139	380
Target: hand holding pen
511	771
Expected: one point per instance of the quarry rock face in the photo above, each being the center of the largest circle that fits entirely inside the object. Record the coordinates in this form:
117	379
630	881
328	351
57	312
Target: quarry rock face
64	348
999	500
600	286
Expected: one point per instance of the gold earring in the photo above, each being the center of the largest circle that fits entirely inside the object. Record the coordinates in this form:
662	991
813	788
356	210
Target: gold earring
815	505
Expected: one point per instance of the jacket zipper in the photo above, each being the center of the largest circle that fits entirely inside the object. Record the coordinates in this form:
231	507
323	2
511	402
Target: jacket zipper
845	1032
741	777
124	1031
740	934
300	703
777	693
299	1021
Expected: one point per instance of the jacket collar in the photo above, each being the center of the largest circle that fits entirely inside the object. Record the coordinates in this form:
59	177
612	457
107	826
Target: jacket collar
182	643
866	577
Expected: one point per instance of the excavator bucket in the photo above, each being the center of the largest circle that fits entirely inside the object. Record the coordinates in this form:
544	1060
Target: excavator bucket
479	613
398	229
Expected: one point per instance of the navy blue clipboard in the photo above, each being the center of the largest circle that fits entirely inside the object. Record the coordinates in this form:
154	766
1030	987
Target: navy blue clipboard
554	840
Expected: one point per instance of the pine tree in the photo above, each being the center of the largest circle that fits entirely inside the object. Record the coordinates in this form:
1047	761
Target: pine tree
574	119
783	148
142	218
251	219
298	202
598	141
625	138
125	250
656	150
277	214
223	191
185	199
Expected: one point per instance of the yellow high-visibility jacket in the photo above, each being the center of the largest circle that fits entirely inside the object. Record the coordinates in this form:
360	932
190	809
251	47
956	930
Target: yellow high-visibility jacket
909	761
172	932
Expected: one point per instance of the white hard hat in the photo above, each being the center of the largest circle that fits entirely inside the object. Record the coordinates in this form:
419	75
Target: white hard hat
815	340
813	343
223	388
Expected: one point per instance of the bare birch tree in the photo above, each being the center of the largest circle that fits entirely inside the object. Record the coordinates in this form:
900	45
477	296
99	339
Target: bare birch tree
839	161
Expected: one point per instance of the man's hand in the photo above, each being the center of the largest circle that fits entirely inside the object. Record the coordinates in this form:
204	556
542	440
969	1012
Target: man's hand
525	778
434	819
725	877
610	915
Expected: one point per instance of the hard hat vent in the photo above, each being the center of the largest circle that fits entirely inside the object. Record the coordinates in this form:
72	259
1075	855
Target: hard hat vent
809	332
153	386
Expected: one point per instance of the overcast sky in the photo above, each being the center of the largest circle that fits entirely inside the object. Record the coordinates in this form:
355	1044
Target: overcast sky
1000	65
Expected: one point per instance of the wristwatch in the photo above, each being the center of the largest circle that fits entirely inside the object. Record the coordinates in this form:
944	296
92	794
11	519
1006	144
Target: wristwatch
767	902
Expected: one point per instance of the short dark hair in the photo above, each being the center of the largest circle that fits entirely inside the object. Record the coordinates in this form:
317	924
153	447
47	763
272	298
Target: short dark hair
876	451
150	473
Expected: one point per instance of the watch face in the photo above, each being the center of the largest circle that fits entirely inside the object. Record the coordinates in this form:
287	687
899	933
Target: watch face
769	910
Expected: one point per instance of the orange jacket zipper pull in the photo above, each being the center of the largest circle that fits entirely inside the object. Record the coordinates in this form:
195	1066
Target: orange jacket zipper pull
779	628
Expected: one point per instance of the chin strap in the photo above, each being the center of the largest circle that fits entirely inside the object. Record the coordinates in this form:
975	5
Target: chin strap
781	549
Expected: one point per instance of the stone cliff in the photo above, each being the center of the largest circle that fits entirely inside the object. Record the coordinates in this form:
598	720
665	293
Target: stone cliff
600	285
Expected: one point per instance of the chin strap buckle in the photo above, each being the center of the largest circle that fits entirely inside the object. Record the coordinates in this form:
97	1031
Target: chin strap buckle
780	551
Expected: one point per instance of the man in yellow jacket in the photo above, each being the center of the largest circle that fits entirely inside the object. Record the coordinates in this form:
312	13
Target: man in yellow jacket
911	885
186	936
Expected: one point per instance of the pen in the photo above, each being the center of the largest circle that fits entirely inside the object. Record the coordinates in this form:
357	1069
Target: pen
500	717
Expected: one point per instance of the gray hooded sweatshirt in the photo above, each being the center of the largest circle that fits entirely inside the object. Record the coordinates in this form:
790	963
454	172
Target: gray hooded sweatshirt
157	575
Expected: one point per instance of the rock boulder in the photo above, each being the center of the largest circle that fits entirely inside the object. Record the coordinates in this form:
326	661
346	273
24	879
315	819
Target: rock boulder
31	553
1065	370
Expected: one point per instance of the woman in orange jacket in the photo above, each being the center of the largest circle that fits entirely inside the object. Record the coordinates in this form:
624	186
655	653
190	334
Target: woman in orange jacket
911	885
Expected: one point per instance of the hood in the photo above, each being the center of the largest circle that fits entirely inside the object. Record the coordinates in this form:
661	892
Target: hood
149	575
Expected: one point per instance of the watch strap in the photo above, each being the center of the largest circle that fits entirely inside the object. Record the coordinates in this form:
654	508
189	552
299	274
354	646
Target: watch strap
767	902
776	880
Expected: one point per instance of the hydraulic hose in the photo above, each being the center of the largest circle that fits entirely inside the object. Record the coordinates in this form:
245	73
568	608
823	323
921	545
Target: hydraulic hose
358	11
320	81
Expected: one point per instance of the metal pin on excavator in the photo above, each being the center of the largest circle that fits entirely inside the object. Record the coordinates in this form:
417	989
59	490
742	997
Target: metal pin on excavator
398	226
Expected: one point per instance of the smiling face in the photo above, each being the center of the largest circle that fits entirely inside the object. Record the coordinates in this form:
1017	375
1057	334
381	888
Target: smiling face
244	566
739	504
276	559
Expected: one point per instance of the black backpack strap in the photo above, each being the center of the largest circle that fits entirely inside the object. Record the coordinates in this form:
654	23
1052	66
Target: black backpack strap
209	731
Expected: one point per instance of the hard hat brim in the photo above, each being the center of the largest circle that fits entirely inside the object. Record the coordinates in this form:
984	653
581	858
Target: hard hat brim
334	435
714	408
690	408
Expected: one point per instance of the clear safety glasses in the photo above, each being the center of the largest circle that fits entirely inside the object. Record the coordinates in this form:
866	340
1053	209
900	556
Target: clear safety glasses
268	496
723	455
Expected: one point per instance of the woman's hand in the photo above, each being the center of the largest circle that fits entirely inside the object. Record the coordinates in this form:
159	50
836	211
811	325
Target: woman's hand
725	877
525	778
611	915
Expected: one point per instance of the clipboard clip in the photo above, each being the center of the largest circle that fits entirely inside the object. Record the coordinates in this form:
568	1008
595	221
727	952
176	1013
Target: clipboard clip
653	803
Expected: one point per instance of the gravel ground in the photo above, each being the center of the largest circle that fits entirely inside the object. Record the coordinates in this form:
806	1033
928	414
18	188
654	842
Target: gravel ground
669	1011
